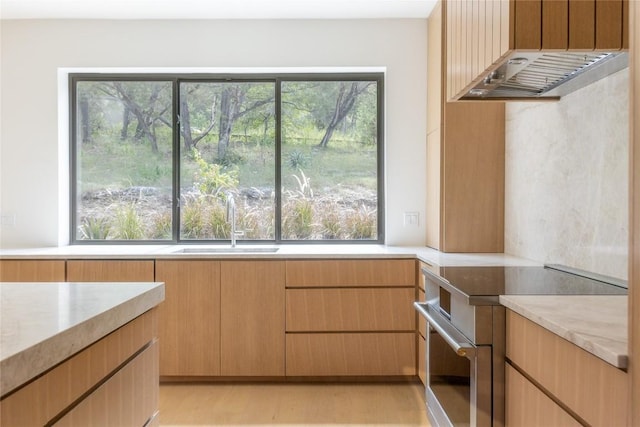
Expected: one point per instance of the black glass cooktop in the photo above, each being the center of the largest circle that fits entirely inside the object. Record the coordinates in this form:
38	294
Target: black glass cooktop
495	281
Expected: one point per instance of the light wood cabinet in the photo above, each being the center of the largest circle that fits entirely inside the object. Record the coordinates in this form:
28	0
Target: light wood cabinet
351	273
377	309
481	33
351	354
351	318
252	318
110	270
528	406
82	382
128	398
189	318
465	158
32	270
586	387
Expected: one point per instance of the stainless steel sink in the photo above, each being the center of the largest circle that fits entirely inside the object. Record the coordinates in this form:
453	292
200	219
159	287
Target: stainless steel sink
227	250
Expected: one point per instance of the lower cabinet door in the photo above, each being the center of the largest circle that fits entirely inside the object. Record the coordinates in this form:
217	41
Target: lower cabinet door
527	405
128	398
351	354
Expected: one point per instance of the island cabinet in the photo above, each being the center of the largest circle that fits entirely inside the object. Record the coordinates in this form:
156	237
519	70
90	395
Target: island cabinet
480	33
110	270
112	382
465	161
32	270
350	318
252	330
189	317
551	381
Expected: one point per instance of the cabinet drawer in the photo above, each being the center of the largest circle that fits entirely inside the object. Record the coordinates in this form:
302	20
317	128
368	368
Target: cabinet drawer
32	271
527	405
350	273
351	354
350	309
587	385
422	323
110	271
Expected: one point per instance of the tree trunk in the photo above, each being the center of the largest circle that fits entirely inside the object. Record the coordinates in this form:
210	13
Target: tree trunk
126	119
344	103
227	117
85	121
185	125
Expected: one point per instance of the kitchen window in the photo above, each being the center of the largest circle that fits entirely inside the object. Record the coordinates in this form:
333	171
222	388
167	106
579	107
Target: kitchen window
157	158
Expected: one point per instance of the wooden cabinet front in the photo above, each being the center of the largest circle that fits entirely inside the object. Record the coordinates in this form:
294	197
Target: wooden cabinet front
527	406
252	318
378	309
482	33
351	354
351	318
189	318
588	386
57	391
465	150
351	273
32	270
110	271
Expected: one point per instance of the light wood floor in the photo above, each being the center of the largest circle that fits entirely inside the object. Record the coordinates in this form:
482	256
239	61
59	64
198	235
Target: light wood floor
292	404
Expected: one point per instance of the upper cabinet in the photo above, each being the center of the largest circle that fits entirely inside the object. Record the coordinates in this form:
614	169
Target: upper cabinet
503	49
465	161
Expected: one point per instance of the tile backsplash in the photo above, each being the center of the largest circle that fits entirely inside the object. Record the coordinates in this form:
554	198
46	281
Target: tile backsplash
566	188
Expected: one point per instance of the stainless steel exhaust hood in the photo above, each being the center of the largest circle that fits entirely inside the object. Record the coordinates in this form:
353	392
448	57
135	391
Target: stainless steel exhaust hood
546	75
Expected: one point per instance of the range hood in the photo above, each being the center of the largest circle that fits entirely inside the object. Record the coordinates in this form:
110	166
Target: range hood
546	75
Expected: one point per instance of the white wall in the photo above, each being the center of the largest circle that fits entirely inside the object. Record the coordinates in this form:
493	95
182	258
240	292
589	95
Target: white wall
33	157
566	196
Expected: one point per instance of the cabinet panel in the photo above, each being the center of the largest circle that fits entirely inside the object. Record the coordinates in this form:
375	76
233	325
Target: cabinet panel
582	23
44	398
350	309
527	406
472	178
555	24
434	69
351	273
110	271
609	14
252	318
528	24
353	354
32	271
566	371
422	361
190	317
129	398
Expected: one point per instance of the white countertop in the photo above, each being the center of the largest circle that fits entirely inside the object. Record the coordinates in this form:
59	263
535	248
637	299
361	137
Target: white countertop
596	323
42	324
291	251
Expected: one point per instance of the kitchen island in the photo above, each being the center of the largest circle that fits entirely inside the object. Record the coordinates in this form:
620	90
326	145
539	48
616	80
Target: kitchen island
77	351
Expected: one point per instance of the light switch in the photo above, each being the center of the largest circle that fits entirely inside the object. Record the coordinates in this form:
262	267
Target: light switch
411	219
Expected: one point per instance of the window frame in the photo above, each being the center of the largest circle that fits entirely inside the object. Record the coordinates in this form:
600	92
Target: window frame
176	79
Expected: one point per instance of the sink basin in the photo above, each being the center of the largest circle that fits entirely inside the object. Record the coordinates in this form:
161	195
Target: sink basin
226	250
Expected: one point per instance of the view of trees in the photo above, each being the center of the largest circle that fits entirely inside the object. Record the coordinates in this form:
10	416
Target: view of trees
226	138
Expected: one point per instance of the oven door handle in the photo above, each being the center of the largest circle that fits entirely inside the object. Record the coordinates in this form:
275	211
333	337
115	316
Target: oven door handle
458	342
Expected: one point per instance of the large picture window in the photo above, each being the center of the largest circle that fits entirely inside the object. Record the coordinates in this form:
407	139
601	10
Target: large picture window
160	158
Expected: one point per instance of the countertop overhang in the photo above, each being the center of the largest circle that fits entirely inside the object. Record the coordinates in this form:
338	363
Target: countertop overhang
42	324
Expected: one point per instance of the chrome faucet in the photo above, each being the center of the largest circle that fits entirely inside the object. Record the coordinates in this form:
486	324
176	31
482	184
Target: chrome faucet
231	217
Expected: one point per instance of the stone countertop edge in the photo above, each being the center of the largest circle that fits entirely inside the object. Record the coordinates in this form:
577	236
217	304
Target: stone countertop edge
38	357
596	323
